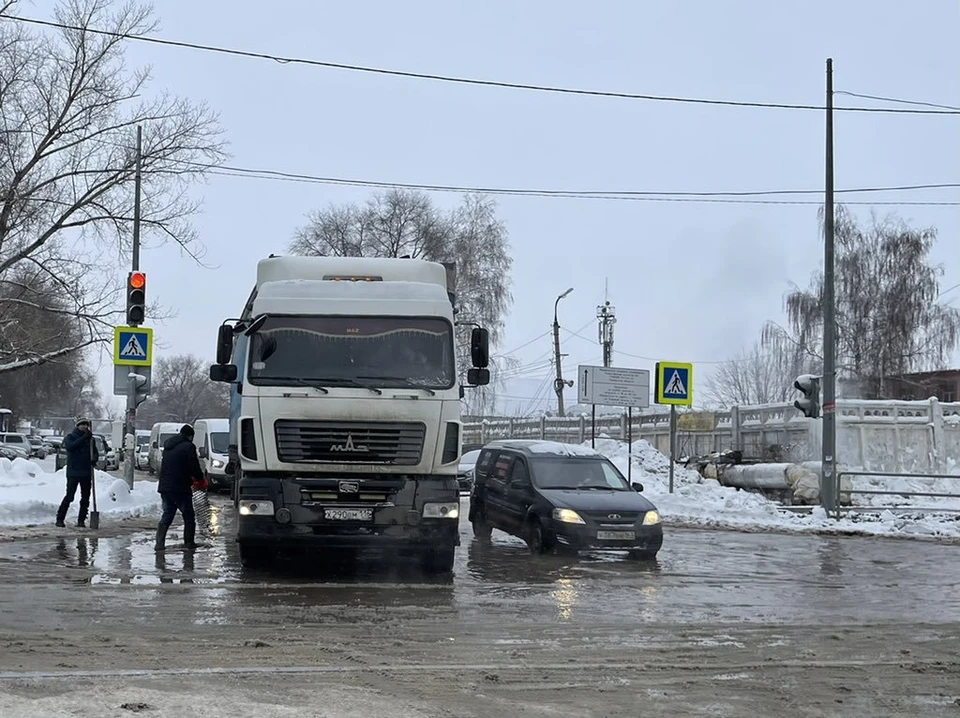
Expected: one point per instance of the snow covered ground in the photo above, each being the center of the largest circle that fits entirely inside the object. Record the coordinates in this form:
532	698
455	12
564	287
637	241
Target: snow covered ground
30	493
704	502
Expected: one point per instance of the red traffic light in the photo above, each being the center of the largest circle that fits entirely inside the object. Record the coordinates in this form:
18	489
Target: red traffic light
138	280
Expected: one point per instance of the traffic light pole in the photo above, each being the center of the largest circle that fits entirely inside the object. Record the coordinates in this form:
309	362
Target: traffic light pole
130	448
828	497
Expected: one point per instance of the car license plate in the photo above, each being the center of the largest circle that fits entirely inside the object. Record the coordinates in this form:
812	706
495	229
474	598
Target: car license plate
616	535
348	514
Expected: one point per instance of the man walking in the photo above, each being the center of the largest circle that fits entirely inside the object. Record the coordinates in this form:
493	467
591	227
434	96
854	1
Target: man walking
81	458
180	472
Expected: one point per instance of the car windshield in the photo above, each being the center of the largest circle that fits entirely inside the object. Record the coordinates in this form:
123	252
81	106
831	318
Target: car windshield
163	439
354	351
219	441
14	439
574	473
470	458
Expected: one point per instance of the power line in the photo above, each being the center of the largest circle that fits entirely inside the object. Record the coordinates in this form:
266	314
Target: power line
898	100
470	81
735	197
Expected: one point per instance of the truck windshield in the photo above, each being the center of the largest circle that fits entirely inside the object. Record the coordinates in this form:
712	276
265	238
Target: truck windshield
337	351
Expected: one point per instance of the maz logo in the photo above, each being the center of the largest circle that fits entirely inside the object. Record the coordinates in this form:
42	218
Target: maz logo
348	445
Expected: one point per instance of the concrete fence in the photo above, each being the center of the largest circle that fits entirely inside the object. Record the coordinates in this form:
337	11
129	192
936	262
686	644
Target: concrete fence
899	436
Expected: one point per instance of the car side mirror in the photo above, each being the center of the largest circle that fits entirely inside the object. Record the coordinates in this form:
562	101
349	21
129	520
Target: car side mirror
202	452
637	486
154	444
225	373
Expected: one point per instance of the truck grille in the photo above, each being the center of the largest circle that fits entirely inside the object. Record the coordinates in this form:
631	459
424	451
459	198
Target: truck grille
350	442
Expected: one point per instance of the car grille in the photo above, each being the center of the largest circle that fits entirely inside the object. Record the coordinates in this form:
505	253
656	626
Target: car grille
350	442
606	518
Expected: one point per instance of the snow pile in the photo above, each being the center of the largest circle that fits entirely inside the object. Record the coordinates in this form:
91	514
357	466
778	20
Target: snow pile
705	502
30	495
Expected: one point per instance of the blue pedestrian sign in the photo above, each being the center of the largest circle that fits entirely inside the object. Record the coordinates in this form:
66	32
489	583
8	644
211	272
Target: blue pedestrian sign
132	346
674	383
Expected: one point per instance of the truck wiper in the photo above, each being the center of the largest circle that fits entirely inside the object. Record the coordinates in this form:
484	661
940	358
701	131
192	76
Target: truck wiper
301	382
349	382
406	382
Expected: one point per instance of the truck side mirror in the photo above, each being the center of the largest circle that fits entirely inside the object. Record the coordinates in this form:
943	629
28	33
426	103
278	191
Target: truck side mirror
480	347
224	344
226	373
478	377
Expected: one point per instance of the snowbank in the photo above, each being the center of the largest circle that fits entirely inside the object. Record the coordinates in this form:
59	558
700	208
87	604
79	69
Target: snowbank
704	502
30	495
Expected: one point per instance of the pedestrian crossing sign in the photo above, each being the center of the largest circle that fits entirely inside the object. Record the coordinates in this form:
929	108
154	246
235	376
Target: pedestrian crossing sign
674	383
132	346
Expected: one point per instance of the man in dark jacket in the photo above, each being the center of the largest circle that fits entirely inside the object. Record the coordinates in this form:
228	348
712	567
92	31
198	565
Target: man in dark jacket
180	473
81	458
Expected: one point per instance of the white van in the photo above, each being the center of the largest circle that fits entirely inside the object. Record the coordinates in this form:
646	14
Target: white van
212	438
158	435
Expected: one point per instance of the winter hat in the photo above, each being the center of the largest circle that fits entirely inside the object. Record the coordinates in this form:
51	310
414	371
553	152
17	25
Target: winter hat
82	420
187	431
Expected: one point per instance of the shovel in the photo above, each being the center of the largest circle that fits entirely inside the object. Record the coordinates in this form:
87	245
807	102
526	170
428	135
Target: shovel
94	515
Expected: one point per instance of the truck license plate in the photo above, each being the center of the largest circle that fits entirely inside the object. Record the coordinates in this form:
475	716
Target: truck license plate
616	535
348	514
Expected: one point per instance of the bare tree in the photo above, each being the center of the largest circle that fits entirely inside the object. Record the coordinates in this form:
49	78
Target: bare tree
69	109
889	318
764	374
401	223
182	391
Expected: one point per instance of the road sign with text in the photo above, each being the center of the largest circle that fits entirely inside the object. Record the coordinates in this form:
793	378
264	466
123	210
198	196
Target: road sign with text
613	386
132	346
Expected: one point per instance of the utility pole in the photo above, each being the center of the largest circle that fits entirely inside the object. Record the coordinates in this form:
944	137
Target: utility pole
130	450
829	439
607	316
558	383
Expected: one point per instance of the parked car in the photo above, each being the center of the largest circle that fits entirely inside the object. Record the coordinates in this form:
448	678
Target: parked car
552	494
143	455
109	459
158	437
102	451
17	443
465	470
212	438
38	447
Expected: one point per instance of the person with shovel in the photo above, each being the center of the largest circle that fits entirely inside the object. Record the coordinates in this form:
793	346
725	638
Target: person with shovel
82	457
180	473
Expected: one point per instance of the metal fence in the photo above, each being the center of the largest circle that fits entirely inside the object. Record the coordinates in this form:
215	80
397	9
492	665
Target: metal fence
906	491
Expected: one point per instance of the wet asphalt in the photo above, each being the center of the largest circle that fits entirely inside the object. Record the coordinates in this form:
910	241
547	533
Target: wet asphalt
699	577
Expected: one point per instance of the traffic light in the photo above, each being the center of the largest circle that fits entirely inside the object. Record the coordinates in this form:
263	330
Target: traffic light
136	298
809	386
143	387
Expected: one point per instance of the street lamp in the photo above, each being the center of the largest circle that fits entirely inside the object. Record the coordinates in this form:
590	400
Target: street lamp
558	382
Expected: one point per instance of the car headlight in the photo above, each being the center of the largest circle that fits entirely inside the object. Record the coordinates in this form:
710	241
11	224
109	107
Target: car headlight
217	464
651	518
441	511
256	508
568	516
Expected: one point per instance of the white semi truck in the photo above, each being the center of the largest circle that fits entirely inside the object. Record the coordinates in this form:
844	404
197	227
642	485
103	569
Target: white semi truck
345	426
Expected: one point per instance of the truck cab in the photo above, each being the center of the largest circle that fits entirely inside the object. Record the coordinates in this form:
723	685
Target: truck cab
345	426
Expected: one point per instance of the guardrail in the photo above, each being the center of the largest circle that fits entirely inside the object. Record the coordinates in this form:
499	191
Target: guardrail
838	509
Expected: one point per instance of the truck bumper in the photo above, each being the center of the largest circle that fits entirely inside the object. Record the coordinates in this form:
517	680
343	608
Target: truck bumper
264	531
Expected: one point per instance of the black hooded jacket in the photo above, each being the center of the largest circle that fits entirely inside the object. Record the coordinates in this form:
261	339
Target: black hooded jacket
80	460
180	466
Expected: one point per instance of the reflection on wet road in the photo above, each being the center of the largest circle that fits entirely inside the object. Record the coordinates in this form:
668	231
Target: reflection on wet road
699	577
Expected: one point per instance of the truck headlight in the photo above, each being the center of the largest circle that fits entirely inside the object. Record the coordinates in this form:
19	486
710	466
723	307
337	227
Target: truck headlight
256	508
441	511
651	518
568	516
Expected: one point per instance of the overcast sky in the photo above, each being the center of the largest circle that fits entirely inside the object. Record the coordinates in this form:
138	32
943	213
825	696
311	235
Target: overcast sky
690	282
